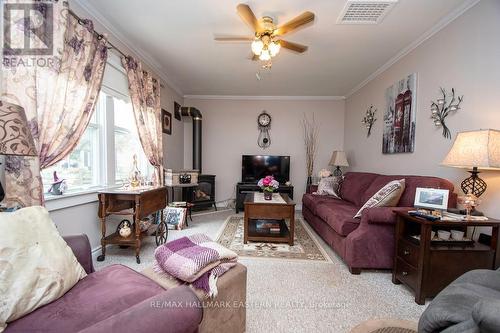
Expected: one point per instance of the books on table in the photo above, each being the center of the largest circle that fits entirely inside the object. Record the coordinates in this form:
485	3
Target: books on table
268	226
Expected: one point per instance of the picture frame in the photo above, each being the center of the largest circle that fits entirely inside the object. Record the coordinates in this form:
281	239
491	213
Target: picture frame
166	122
177	111
175	217
432	198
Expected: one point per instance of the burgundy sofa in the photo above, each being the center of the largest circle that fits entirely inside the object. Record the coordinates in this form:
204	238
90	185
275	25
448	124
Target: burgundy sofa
114	299
366	242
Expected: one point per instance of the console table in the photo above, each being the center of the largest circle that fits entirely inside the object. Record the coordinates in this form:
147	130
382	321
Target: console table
139	203
242	189
426	266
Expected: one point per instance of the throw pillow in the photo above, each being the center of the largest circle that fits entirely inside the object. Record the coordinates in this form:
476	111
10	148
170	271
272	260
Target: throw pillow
36	265
387	196
329	186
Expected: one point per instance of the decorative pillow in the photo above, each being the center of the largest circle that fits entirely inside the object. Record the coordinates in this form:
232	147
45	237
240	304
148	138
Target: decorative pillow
36	265
387	196
329	186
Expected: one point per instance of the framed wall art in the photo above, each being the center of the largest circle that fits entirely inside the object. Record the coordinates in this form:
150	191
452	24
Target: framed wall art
400	116
166	122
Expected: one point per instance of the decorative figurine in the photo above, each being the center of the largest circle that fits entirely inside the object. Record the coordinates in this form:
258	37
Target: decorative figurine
124	229
59	186
135	174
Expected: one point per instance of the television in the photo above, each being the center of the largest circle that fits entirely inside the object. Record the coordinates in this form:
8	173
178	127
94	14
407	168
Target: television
255	167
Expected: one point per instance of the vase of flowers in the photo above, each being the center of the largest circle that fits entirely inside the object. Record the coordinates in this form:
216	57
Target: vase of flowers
268	185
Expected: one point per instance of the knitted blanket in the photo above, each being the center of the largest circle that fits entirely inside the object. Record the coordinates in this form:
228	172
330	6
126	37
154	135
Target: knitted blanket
195	259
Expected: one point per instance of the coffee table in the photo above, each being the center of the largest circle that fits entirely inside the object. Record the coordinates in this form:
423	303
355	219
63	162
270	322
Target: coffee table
256	209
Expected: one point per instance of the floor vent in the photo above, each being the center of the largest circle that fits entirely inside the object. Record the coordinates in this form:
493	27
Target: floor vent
365	11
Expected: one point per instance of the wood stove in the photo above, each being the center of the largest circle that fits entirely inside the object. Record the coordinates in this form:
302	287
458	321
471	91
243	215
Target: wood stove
203	196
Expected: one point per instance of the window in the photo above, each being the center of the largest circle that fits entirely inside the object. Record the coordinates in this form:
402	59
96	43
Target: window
104	155
127	143
80	168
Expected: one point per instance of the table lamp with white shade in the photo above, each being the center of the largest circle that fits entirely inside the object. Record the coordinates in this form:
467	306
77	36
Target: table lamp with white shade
15	134
475	150
339	159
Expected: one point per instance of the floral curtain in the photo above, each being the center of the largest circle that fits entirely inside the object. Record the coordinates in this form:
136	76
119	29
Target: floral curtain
145	95
58	93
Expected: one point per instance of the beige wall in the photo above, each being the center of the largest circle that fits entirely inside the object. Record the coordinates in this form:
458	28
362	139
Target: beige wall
230	130
464	55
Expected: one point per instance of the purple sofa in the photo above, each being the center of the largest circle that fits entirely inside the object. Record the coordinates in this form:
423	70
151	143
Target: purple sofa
114	299
367	242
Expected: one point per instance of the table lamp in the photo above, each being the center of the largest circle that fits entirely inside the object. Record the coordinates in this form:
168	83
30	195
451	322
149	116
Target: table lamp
338	159
15	134
475	150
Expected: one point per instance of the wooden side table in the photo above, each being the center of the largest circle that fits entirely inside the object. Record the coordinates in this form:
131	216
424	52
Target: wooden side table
427	268
136	202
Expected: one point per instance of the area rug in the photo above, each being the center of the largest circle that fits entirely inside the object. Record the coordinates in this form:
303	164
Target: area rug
305	246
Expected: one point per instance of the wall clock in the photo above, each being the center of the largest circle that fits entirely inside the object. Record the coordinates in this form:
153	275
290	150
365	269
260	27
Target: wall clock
264	123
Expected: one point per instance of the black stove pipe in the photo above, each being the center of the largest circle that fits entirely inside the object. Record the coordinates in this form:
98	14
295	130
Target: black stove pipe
195	114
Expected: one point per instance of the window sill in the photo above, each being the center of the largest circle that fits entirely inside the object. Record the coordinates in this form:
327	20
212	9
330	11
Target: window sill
71	199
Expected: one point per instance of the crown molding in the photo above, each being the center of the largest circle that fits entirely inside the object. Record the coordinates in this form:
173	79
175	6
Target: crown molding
425	36
144	56
266	98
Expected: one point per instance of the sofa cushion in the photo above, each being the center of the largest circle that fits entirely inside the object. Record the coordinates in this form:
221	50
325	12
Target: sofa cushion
354	186
311	201
338	214
36	265
387	196
329	186
96	297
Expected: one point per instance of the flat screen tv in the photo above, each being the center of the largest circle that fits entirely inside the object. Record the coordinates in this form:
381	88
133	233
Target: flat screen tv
255	167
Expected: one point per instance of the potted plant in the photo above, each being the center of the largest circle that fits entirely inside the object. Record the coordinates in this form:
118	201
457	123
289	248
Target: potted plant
268	184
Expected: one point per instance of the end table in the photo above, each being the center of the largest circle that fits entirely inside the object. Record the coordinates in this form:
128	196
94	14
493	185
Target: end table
427	267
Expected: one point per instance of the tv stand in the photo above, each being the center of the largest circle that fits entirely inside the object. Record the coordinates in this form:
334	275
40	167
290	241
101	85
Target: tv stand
242	189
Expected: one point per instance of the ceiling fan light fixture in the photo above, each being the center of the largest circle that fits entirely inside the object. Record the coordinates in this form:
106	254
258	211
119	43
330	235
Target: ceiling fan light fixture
274	48
265	55
257	46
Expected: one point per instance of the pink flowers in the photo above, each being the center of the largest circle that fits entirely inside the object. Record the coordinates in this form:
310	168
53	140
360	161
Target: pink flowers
268	183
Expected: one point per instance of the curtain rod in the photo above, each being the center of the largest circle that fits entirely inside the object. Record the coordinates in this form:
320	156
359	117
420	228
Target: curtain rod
100	36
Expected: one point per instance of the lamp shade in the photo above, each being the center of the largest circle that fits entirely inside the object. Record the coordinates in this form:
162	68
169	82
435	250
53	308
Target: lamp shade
15	135
338	159
471	149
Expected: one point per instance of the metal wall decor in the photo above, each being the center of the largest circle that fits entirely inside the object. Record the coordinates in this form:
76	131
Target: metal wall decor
369	119
443	107
264	124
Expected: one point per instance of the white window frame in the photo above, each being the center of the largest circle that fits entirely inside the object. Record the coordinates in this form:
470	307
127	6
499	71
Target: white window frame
106	157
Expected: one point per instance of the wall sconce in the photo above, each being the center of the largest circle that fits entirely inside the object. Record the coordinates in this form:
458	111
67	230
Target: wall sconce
369	119
442	108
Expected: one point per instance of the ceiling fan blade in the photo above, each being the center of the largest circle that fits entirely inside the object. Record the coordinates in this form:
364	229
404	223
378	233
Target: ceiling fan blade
248	16
293	46
234	38
300	20
253	57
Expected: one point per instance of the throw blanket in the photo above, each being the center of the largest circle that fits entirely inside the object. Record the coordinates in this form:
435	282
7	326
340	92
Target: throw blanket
195	259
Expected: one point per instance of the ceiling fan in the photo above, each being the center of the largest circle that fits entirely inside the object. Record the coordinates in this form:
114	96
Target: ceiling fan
267	41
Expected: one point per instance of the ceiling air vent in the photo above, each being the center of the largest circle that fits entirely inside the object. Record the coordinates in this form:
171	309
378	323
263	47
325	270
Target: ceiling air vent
365	11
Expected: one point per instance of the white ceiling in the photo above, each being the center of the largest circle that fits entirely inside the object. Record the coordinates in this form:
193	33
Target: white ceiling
178	36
